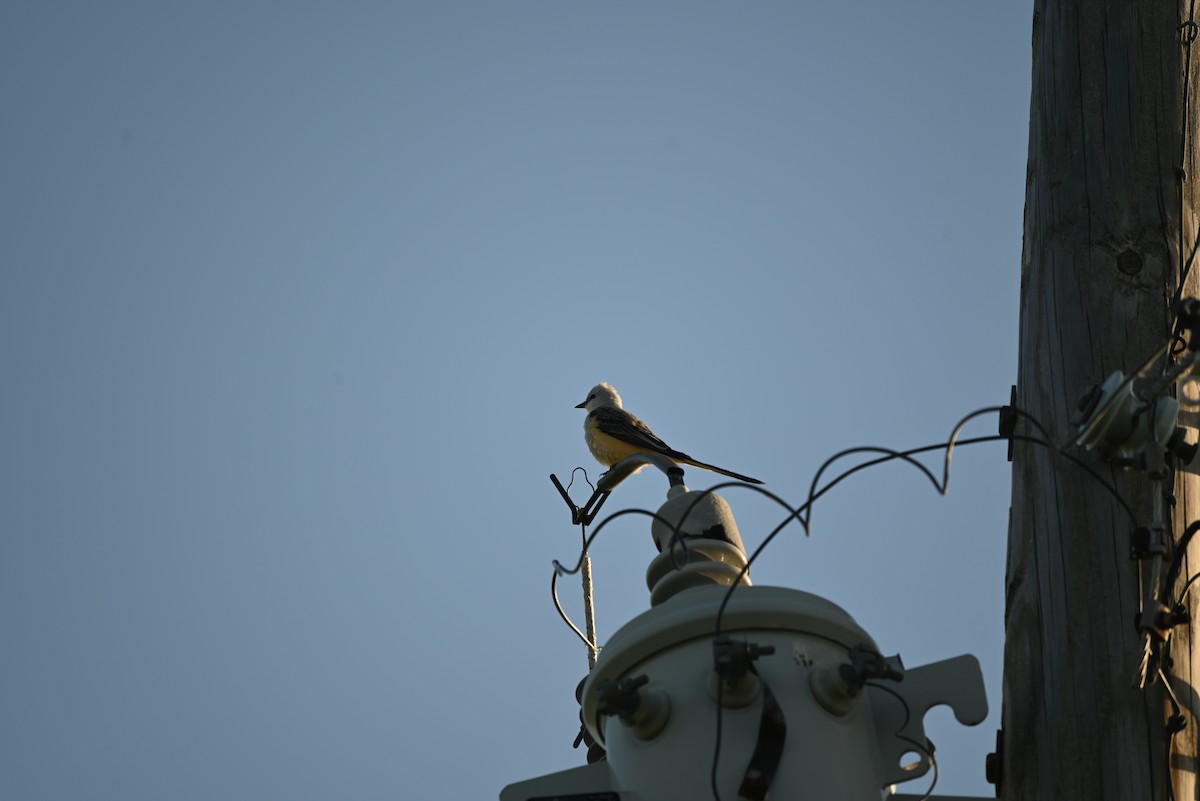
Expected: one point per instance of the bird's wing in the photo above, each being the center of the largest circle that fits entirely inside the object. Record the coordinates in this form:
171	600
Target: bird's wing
620	424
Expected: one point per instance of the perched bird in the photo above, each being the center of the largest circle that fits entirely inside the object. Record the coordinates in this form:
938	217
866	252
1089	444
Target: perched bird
613	433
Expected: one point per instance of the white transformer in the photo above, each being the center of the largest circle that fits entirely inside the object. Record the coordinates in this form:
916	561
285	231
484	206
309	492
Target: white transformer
802	702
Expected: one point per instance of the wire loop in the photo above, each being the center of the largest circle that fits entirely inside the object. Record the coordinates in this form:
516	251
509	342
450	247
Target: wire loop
803	515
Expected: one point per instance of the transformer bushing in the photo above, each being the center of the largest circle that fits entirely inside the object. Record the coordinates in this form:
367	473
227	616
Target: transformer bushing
807	706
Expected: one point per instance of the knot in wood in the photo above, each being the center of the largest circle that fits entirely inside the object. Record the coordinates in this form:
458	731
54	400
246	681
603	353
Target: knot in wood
1130	262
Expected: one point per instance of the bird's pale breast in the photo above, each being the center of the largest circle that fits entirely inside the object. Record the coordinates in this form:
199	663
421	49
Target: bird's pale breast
607	450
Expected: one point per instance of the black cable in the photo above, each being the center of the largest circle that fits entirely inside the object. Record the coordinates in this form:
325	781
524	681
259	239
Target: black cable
558	568
795	513
891	455
941	488
927	750
993	438
588	480
894	455
712	776
1177	562
562	613
1192	580
888	456
1176	709
1170	783
814	494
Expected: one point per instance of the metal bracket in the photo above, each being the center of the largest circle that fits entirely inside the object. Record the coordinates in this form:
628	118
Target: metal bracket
590	509
1008	420
1148	541
900	713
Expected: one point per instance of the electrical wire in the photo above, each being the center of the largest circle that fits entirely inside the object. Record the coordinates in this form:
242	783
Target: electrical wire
587	545
1189	31
559	570
562	613
890	455
797	513
1170	784
1176	710
1177	563
586	479
906	456
712	775
940	487
926	750
803	513
1183	593
936	770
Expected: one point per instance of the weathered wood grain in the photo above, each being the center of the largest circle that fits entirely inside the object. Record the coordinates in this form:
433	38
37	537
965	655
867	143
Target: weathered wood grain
1099	267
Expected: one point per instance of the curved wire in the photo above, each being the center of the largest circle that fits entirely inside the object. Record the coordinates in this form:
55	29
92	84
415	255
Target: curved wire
588	480
797	513
927	750
677	528
949	446
563	614
1176	565
888	455
712	774
992	438
1183	592
558	568
906	456
901	455
814	494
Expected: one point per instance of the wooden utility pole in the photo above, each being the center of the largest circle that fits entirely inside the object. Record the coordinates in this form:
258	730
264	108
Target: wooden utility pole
1099	269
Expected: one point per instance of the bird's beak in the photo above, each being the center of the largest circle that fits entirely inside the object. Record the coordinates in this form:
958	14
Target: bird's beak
582	405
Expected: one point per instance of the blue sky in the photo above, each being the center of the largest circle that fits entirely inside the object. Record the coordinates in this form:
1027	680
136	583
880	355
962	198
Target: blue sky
296	300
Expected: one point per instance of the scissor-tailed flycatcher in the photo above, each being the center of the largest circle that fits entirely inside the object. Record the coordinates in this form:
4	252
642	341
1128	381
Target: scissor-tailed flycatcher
613	433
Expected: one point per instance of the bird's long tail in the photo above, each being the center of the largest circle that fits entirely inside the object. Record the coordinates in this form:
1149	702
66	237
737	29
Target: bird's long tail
690	461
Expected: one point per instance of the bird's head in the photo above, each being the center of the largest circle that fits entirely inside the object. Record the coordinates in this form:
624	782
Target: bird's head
601	395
